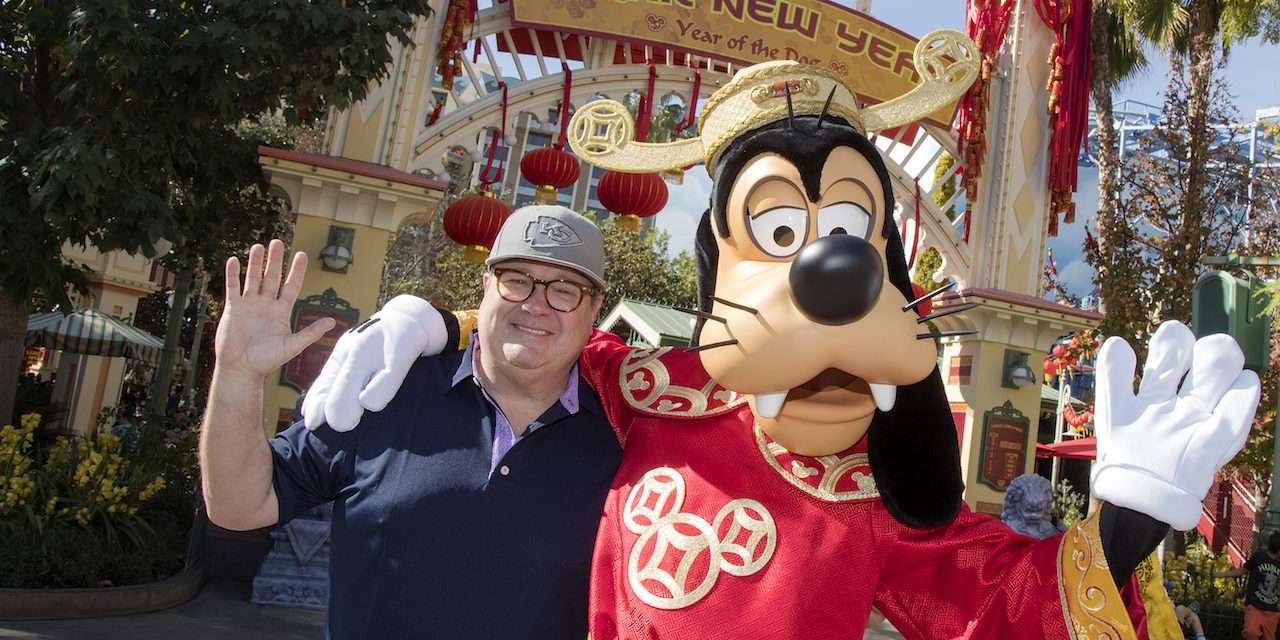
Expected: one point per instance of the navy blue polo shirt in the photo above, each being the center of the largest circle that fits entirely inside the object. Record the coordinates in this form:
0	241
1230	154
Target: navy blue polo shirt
425	543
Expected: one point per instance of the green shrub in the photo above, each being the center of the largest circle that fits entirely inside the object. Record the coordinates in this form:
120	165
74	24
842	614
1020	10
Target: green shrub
1219	601
95	511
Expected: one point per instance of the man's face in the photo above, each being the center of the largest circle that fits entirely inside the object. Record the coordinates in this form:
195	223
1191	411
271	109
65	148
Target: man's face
530	335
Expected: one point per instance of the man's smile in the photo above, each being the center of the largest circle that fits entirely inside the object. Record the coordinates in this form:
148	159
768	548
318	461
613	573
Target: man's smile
530	330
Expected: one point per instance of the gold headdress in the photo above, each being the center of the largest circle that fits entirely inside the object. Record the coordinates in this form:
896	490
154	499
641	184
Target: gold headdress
603	133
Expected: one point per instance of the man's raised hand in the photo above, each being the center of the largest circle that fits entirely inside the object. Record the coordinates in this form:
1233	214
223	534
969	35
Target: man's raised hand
254	334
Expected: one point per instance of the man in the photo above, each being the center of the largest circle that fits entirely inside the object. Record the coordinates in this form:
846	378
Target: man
1262	590
480	526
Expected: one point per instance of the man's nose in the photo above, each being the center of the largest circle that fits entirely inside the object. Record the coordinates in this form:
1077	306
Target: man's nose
537	301
837	279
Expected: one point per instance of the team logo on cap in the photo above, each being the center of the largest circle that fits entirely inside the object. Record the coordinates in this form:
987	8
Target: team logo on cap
545	232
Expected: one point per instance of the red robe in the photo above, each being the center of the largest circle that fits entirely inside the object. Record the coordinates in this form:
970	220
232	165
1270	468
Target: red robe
711	530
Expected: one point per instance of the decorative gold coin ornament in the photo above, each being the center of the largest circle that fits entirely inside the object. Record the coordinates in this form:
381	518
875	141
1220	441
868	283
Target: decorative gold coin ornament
603	134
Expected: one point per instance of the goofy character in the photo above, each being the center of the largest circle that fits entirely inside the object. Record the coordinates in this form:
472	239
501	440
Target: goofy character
798	465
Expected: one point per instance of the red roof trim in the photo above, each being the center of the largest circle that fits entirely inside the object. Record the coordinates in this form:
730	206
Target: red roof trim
357	167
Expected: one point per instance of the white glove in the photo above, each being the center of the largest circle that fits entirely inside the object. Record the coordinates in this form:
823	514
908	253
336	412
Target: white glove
1158	451
370	362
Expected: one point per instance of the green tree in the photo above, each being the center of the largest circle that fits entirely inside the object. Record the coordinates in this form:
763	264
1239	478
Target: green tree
943	194
221	218
638	268
1121	28
1192	33
110	111
1168	240
927	264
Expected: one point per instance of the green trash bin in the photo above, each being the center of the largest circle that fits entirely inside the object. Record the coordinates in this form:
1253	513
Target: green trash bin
1223	303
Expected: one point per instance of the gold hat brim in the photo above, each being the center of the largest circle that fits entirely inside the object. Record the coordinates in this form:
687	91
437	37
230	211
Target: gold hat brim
602	132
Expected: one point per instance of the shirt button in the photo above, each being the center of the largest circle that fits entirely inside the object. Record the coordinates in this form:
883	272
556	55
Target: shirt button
504	470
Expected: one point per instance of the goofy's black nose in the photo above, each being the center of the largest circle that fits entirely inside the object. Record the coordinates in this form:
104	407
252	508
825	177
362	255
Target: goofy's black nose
837	279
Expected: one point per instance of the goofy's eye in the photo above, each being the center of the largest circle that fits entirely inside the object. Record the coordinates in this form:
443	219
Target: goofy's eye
780	231
843	218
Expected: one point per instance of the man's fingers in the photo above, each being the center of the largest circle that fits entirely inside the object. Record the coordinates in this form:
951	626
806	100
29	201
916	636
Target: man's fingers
253	276
232	286
299	341
1168	358
1217	363
293	284
275	260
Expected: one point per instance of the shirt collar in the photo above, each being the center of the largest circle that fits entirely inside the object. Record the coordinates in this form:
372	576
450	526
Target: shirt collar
467	369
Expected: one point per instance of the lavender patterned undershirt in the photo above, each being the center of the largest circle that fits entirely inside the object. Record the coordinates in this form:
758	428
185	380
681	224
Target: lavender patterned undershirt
504	437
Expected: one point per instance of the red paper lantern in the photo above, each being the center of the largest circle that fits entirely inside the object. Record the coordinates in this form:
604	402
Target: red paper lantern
551	169
473	221
632	195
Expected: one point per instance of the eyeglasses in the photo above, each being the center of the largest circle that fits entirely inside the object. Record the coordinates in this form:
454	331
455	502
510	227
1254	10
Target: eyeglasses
562	295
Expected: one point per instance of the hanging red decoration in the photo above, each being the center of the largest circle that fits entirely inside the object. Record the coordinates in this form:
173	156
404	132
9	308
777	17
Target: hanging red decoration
458	17
691	107
1069	84
551	170
487	175
563	112
987	22
473	221
635	195
632	196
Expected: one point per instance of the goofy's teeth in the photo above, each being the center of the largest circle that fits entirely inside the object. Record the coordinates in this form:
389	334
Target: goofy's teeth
769	404
885	395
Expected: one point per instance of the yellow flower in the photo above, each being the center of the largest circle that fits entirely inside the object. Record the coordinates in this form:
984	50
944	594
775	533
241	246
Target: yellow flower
151	489
30	421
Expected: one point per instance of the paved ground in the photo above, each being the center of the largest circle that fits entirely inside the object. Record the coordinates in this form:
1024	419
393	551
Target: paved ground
221	611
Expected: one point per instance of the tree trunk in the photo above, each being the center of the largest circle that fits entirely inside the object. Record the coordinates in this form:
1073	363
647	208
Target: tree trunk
13	333
1188	241
158	404
1111	294
202	303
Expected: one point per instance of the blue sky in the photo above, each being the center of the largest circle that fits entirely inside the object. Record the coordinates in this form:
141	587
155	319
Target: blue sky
1252	73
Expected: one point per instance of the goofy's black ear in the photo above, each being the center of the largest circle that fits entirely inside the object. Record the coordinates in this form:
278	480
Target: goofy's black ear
708	255
915	456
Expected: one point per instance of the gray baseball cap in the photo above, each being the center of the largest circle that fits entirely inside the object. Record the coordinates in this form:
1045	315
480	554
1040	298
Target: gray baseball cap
552	234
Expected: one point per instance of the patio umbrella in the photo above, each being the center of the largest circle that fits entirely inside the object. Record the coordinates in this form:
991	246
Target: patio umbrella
1078	449
93	333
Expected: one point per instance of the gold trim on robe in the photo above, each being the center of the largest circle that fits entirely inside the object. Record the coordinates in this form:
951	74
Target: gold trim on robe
1091	603
844	477
648	387
1162	621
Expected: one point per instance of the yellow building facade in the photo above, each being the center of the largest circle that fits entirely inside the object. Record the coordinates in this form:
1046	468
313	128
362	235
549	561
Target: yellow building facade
116	282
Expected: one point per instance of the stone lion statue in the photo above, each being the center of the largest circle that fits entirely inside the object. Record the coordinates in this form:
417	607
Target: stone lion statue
1028	504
